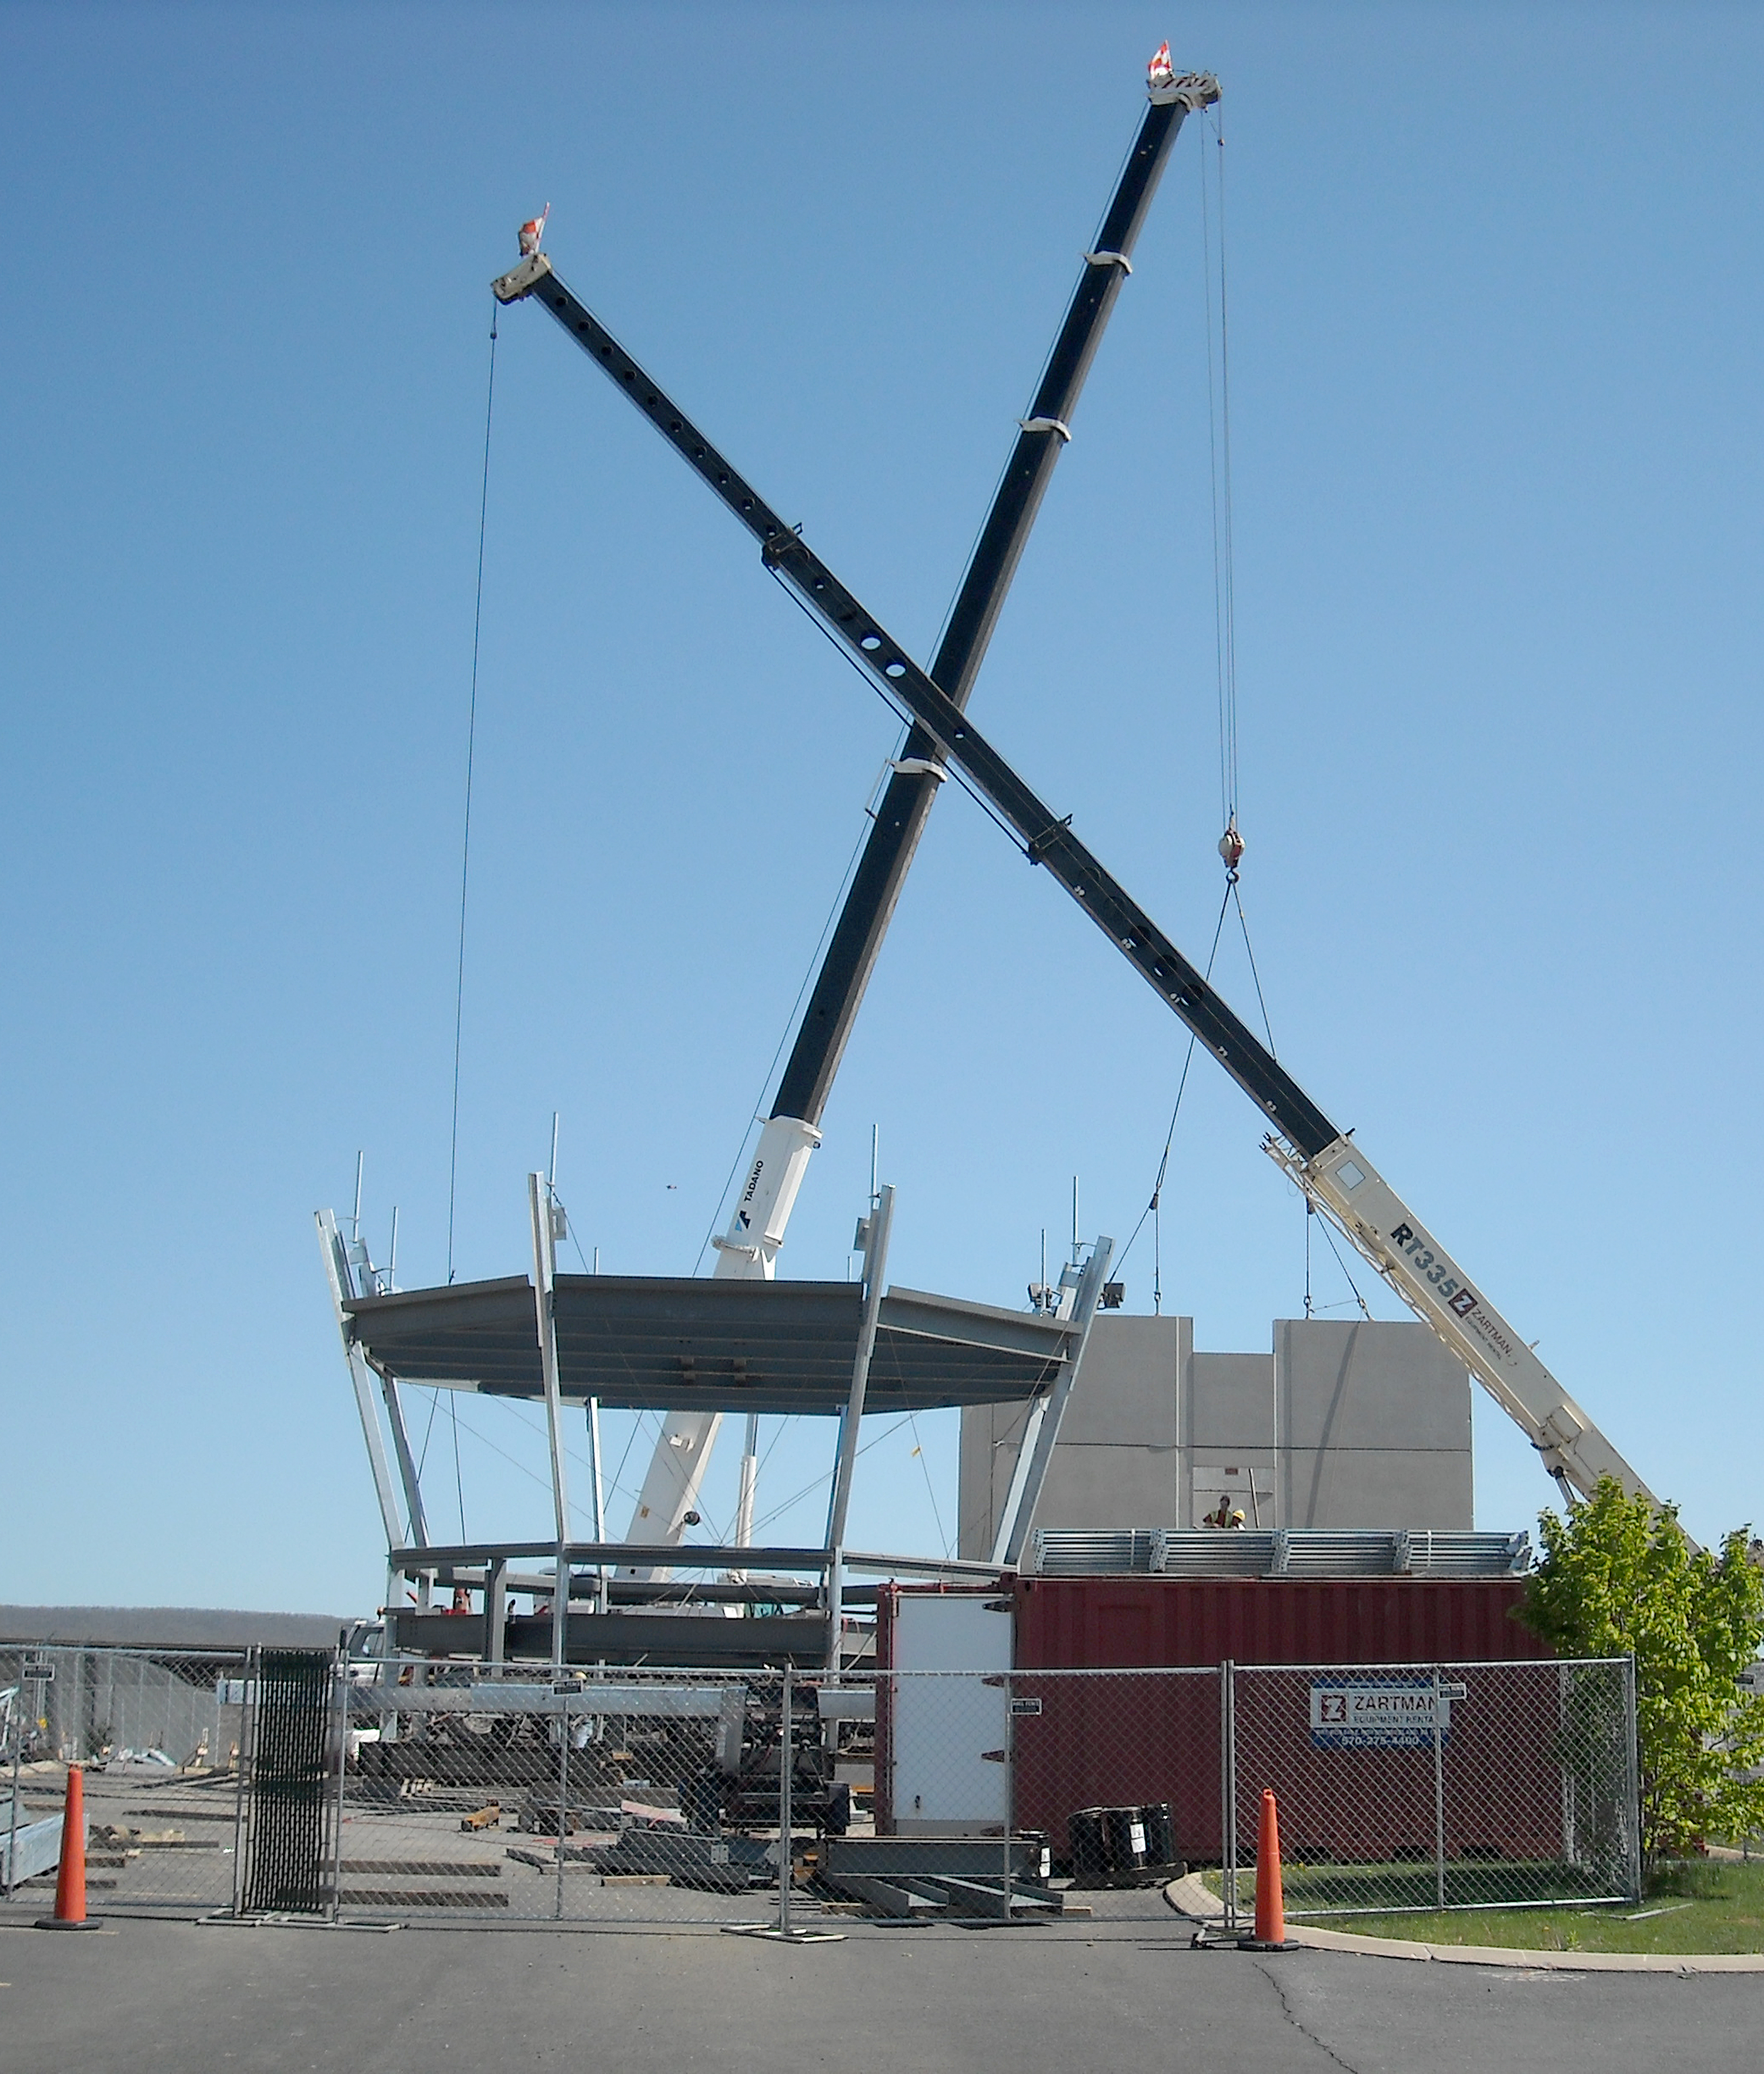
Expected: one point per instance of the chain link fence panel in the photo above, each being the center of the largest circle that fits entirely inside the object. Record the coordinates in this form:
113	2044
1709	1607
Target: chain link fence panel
623	1796
162	1737
1099	1786
1424	1786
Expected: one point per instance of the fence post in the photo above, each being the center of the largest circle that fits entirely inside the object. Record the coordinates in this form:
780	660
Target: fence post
18	1755
340	1673
1635	1778
1438	1796
562	1780
787	1765
1227	1781
247	1706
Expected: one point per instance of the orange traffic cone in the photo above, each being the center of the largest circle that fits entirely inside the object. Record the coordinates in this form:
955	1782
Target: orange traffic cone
70	1881
1270	1904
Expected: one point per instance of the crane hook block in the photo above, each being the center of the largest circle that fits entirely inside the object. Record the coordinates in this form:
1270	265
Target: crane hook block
1231	845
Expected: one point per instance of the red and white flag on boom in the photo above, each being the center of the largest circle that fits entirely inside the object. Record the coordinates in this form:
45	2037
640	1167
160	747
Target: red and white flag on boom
532	233
1160	72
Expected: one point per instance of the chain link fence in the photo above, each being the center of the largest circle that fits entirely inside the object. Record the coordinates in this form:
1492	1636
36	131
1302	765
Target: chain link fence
1423	1786
624	1796
265	1783
162	1737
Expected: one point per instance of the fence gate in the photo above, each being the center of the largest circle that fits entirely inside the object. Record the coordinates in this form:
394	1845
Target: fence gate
287	1868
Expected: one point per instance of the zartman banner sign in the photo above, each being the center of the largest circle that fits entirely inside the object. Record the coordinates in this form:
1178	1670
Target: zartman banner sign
1366	1714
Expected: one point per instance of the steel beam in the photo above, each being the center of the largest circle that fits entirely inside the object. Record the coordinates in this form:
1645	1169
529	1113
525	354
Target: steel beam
598	1516
496	1612
478	1556
342	1283
415	1560
875	1229
1042	1435
393	1401
544	1286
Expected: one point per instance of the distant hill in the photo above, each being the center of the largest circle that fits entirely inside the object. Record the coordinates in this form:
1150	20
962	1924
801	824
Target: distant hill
167	1627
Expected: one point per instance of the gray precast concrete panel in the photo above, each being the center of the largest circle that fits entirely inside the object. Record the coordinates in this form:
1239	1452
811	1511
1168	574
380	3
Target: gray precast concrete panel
1372	1422
1119	1451
1128	1389
1388	1385
1374	1426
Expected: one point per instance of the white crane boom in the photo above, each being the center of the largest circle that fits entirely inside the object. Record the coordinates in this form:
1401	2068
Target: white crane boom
747	1252
1346	1187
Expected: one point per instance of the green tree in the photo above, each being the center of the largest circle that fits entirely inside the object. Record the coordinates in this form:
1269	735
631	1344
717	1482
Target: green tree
1620	1578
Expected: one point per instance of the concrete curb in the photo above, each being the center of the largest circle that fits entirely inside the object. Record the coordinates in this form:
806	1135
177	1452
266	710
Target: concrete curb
1189	1897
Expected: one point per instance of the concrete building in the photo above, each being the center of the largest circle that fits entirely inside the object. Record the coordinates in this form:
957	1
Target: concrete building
1361	1425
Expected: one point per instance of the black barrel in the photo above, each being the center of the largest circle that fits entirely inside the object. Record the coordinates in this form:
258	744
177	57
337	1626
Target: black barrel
1124	1839
1089	1847
1160	1834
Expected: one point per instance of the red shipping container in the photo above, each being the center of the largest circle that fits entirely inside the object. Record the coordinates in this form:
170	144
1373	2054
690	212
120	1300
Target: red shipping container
1124	1741
1118	1743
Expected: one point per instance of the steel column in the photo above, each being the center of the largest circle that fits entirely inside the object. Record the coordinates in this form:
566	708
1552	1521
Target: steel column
496	1612
401	1452
1042	1431
876	1227
342	1283
544	1286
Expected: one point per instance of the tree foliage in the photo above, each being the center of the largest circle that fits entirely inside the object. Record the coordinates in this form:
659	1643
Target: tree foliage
1620	1578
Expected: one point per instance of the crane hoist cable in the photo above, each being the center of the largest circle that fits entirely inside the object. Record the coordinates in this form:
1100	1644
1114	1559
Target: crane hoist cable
465	839
1365	1311
1224	619
465	875
1224	579
1310	1307
1152	1209
1225	597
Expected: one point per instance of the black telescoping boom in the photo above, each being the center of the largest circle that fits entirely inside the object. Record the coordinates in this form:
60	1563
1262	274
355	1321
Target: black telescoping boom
907	799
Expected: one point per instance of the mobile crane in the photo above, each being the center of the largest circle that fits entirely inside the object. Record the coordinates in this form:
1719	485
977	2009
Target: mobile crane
1323	1160
749	1247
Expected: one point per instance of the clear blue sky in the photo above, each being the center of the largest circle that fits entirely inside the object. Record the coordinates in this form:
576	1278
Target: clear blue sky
1495	321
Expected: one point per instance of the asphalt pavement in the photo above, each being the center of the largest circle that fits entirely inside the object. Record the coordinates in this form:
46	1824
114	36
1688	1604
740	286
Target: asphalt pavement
150	1994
